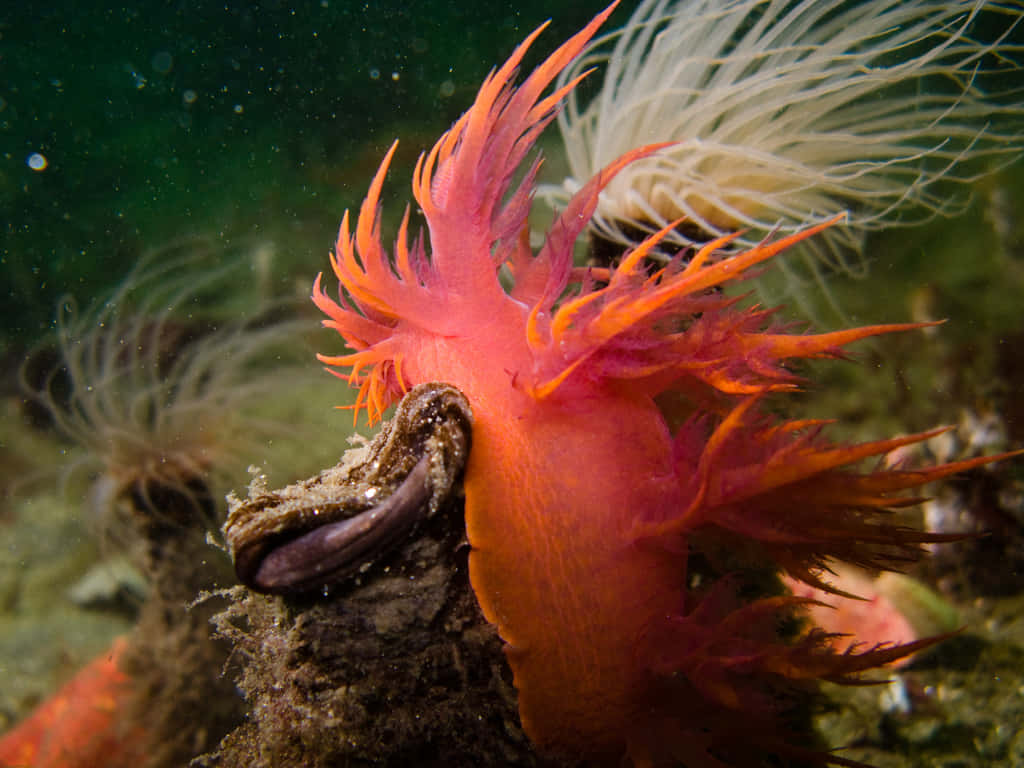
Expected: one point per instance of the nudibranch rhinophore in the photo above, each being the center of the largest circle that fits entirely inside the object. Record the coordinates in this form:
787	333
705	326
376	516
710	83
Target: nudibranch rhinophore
583	500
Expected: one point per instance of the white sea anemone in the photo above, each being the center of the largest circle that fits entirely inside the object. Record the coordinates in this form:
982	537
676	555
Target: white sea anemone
789	111
157	383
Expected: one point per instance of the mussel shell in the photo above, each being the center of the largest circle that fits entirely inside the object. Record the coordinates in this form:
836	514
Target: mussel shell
314	533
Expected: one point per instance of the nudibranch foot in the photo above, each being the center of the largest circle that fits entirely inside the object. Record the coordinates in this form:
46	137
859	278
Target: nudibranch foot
314	533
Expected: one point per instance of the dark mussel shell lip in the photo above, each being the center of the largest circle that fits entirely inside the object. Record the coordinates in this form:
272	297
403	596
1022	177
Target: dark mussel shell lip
318	532
298	562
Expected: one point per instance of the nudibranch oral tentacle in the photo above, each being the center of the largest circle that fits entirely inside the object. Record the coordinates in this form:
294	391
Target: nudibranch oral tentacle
582	495
311	535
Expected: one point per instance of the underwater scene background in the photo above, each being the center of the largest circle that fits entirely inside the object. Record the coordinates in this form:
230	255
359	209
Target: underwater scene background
172	177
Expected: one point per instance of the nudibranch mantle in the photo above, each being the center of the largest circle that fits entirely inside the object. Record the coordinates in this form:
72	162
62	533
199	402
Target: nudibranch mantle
580	496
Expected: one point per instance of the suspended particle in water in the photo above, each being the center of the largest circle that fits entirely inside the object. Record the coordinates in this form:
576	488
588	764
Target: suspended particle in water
162	62
37	162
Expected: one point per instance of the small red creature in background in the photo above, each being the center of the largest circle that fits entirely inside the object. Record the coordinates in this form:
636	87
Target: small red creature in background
77	727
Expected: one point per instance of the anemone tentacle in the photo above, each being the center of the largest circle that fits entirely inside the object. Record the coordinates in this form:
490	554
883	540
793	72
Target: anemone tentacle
785	113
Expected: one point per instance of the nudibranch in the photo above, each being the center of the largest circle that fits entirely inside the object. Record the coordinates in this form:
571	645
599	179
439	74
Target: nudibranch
582	496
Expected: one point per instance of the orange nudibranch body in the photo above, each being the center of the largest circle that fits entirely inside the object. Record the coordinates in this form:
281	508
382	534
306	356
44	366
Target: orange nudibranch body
580	496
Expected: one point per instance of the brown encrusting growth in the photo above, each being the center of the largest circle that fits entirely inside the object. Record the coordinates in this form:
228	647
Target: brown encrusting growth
181	699
395	667
985	505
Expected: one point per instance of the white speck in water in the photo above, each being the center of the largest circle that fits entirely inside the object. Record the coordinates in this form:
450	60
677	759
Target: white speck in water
371	492
37	162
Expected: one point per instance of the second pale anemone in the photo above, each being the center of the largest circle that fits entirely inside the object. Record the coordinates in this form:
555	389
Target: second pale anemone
786	113
157	384
164	385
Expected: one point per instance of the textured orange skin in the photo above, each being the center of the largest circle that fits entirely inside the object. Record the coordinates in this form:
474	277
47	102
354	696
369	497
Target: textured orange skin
77	727
579	499
552	560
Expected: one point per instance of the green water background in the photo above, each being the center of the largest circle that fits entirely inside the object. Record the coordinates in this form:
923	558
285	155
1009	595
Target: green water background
163	119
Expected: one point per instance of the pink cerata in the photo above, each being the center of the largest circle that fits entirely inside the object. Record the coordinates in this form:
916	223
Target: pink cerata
583	497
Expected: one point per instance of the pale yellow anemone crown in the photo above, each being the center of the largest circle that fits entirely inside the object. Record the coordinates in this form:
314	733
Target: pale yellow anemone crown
788	112
156	389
